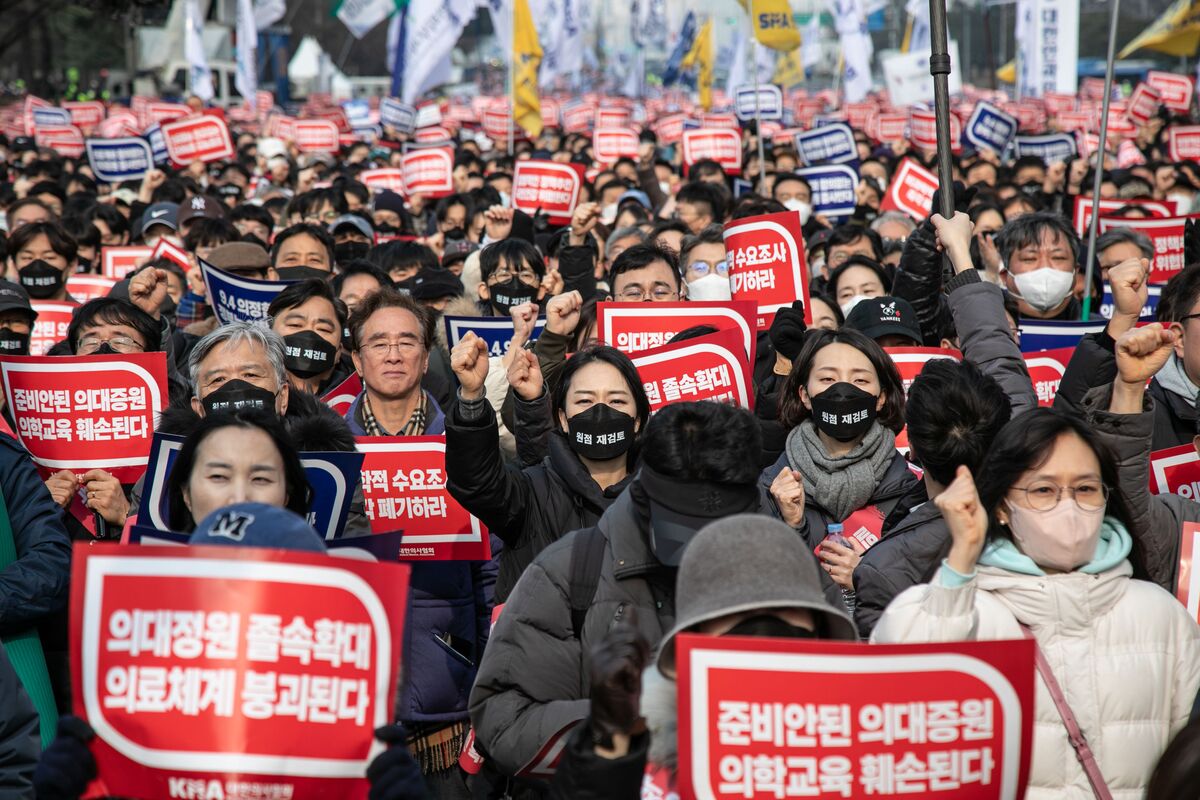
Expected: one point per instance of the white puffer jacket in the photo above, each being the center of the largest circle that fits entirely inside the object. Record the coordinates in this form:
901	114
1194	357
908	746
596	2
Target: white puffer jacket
1125	652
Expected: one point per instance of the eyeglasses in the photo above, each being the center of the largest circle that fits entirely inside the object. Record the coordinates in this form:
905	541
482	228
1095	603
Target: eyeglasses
526	276
636	294
381	350
703	268
1189	316
893	245
1045	496
122	344
317	219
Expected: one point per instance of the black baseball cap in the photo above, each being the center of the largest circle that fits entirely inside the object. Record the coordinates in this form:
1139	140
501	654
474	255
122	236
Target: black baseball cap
434	284
14	298
877	317
679	509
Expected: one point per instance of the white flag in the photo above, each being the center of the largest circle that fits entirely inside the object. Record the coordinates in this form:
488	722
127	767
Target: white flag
246	78
431	30
361	16
810	50
918	39
569	59
737	65
199	76
268	12
856	79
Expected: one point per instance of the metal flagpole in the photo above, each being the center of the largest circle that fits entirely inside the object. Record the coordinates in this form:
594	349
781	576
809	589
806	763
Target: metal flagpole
1101	149
512	74
939	67
762	169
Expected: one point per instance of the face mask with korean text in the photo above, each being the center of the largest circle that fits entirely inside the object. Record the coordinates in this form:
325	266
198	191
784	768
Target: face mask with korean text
600	432
843	411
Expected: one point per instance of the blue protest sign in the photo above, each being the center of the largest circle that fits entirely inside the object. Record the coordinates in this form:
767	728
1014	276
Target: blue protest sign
1051	148
742	186
496	331
989	127
237	299
144	534
1037	335
331	476
368	133
385	547
51	115
116	160
829	144
833	187
395	114
769	102
358	112
1148	311
158	145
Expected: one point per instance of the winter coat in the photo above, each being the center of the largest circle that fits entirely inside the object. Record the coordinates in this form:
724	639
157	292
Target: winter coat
20	737
918	280
530	508
435	423
533	683
1125	652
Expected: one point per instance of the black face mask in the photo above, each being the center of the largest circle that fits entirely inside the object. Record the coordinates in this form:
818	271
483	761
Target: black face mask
307	354
301	273
84	265
105	349
455	234
770	626
13	343
40	279
239	395
865	213
1031	187
386	228
843	411
346	252
506	296
600	433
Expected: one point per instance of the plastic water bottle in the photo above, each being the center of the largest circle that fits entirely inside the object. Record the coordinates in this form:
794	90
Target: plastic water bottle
835	531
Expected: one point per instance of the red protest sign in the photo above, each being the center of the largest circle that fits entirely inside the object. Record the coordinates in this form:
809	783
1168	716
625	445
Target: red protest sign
766	262
669	130
51	325
634	327
1046	369
153	113
549	187
549	113
1083	209
610	144
341	397
1056	103
910	361
382	179
911	190
118	124
87	287
315	135
1176	91
922	129
1188	587
117	262
204	138
888	127
1031	117
428	171
1183	142
713	367
496	123
1071	121
1143	104
857	114
165	248
768	717
85	114
719	144
404	487
207	669
611	118
66	140
87	412
1167	236
1176	470
434	134
723	121
577	118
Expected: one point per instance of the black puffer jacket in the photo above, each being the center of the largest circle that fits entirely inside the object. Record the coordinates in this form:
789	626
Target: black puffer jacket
919	280
910	554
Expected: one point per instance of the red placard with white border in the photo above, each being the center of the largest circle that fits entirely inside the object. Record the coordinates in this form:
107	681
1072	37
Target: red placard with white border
634	327
1188	587
85	113
204	138
1072	121
1176	91
1176	470
234	671
118	261
922	129
611	118
434	134
762	716
389	179
117	125
719	144
577	118
341	397
404	487
549	187
712	367
911	191
1183	142
910	361
496	123
1166	235
1046	369
1056	103
1083	209
428	171
51	325
154	113
889	127
87	412
165	248
315	135
723	121
1144	102
88	287
66	140
767	264
669	129
610	144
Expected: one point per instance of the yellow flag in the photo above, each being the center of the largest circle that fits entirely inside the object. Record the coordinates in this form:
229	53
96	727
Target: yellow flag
1008	73
1176	32
700	57
773	23
527	56
789	71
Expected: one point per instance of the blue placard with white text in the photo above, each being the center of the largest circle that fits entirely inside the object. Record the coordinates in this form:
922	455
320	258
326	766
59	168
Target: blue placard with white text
1051	148
51	115
496	331
116	160
829	144
769	103
158	145
395	114
1037	335
833	187
237	299
989	127
1149	310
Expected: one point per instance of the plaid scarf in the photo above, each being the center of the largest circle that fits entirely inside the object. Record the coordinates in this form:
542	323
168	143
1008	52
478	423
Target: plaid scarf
414	427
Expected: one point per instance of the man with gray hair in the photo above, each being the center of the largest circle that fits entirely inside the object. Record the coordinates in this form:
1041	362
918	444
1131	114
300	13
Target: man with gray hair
893	228
618	242
1122	244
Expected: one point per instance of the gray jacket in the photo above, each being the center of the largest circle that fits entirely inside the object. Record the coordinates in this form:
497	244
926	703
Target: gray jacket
532	685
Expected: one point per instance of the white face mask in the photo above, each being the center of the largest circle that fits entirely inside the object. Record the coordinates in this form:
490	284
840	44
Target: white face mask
849	305
1045	288
710	287
1182	201
805	209
664	187
608	214
505	200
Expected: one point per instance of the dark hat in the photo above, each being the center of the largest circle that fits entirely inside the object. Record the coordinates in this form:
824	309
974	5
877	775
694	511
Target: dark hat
744	563
14	298
199	206
159	214
679	508
239	255
434	284
880	316
353	221
457	250
389	201
257	525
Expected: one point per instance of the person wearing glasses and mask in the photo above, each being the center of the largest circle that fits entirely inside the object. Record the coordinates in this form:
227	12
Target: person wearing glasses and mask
702	259
893	228
512	273
646	273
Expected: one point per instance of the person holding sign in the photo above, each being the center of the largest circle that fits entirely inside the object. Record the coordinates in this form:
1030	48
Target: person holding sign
598	409
1040	548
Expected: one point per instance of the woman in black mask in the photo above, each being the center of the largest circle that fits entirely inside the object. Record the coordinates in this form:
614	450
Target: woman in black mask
597	411
42	256
843	404
513	273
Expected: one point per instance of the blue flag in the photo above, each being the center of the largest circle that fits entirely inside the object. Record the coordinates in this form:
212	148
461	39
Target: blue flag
687	35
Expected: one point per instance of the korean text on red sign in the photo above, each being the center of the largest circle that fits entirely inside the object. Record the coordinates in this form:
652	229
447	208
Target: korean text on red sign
87	412
633	327
712	367
234	672
548	187
773	718
766	263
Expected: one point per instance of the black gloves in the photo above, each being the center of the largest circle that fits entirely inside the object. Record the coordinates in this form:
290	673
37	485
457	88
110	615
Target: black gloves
787	330
394	774
616	667
962	198
67	765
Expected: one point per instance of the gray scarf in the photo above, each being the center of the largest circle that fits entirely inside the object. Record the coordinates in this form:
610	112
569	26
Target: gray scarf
1172	378
843	484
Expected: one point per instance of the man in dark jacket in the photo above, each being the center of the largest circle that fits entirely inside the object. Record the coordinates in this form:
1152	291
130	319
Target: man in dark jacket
699	464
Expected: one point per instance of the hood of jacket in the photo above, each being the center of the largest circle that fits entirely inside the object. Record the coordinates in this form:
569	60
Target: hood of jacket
626	525
563	463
